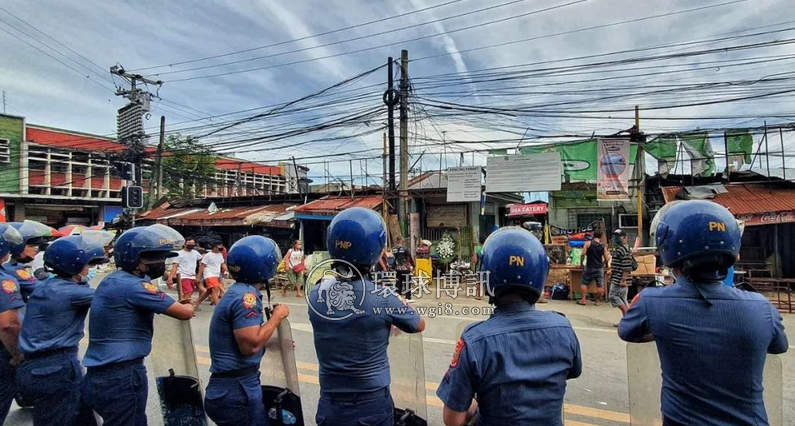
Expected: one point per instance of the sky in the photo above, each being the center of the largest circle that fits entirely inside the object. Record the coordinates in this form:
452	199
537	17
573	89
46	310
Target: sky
298	48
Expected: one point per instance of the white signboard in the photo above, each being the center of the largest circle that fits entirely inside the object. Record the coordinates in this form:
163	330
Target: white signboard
523	173
463	184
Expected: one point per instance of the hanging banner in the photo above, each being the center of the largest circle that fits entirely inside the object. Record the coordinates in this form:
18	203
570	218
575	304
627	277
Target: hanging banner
578	158
524	173
3	217
463	184
612	181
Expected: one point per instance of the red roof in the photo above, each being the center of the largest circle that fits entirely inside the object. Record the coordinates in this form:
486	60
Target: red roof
247	166
749	199
71	140
743	199
670	193
332	205
81	141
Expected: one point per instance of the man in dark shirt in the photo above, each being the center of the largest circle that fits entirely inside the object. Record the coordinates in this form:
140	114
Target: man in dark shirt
594	257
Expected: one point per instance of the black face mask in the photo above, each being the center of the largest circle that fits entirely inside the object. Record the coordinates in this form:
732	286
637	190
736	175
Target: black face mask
189	247
155	270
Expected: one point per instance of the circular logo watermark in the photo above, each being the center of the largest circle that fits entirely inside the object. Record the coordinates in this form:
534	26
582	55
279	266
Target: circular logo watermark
333	294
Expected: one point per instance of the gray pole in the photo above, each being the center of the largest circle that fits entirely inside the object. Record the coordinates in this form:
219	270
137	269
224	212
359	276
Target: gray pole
404	134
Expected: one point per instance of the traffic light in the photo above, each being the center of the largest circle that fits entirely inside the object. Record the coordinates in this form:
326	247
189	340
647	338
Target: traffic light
132	197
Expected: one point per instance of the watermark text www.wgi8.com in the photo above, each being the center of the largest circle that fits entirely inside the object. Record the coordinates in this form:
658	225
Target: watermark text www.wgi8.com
443	309
339	291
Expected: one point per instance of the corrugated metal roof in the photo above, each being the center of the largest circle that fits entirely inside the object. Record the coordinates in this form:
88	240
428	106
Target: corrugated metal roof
247	215
333	205
743	199
748	199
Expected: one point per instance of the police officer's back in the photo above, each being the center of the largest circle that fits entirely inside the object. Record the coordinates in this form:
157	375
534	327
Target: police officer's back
10	322
238	334
121	324
712	339
352	327
54	321
516	363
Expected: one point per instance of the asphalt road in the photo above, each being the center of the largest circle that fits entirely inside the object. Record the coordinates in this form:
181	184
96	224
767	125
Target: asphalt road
598	397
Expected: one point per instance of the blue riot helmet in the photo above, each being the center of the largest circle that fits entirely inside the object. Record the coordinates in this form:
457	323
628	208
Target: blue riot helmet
698	232
9	237
154	241
514	258
69	255
33	234
357	235
253	259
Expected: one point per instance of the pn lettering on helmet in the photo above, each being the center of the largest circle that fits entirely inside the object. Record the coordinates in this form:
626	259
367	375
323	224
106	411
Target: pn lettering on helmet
343	244
516	260
720	226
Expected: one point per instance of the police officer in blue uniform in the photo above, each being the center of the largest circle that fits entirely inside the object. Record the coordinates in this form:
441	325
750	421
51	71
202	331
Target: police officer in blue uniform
351	329
51	375
33	234
516	363
712	339
120	325
10	323
238	334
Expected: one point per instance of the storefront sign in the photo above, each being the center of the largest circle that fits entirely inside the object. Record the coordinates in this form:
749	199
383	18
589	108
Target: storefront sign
524	173
612	180
463	184
554	230
527	209
771	218
447	216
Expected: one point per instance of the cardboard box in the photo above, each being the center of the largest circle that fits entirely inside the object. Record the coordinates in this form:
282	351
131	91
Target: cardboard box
646	264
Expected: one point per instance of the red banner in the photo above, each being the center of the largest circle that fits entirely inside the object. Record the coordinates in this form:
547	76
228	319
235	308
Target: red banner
526	209
3	216
771	218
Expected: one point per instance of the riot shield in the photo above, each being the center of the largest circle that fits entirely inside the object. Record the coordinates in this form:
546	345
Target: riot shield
645	382
407	369
281	394
173	365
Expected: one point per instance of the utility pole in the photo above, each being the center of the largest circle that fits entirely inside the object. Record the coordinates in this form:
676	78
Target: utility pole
404	136
391	98
129	121
639	163
4	101
157	174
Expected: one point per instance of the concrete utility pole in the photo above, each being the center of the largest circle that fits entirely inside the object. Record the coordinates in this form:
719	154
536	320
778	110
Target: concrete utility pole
158	173
404	136
641	167
4	101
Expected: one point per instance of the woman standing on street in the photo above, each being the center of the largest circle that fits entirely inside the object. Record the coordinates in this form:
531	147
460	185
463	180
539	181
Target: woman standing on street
294	265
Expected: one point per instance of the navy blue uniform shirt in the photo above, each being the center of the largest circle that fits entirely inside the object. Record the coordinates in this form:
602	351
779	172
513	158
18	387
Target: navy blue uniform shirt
55	315
712	353
27	281
517	363
240	307
10	298
121	317
351	341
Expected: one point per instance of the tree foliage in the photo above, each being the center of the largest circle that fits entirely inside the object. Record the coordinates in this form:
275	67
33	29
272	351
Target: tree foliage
187	167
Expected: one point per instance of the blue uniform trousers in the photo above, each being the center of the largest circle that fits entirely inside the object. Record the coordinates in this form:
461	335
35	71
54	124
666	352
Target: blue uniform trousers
52	384
235	401
118	393
355	409
8	379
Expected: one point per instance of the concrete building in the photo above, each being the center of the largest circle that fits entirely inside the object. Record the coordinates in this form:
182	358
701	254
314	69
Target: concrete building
61	177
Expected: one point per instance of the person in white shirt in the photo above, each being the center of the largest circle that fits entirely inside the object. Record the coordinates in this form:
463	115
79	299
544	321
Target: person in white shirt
294	266
184	270
212	269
